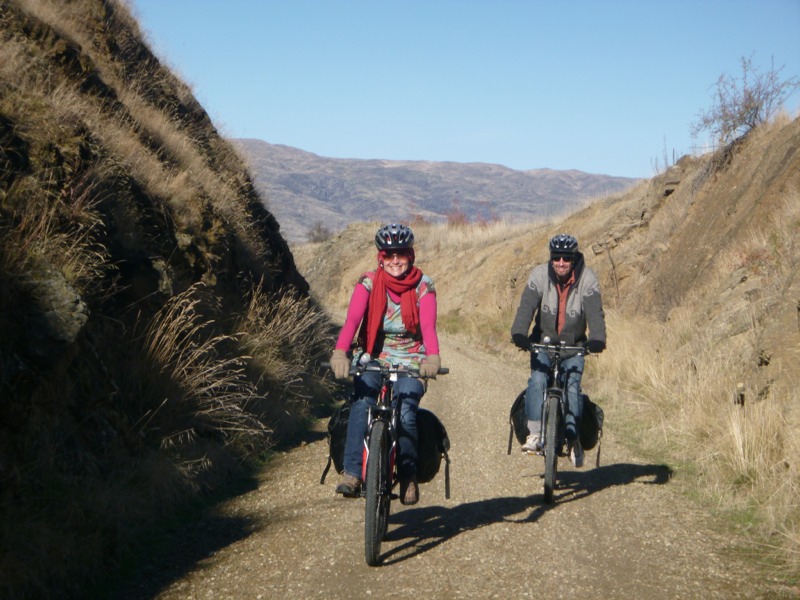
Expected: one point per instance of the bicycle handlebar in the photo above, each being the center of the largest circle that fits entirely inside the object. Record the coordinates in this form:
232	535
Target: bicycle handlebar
387	369
559	349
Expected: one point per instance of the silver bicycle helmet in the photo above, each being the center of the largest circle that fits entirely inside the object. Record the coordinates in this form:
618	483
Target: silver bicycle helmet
394	236
563	245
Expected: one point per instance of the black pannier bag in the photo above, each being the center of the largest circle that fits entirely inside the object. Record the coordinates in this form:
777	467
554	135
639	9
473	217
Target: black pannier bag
518	421
337	435
433	445
590	429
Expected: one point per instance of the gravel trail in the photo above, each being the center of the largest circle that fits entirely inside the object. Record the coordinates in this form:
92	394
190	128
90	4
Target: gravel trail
617	531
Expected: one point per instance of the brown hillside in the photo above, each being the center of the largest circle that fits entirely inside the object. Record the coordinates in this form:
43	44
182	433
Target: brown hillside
709	252
155	334
698	268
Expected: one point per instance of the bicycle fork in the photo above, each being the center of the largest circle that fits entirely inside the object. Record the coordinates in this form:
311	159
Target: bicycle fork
554	390
559	415
384	414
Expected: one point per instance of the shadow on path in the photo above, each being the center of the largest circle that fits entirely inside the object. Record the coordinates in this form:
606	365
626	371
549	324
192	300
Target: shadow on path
177	549
421	529
417	530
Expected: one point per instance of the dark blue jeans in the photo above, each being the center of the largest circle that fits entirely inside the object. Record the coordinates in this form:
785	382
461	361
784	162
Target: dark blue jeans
572	369
408	392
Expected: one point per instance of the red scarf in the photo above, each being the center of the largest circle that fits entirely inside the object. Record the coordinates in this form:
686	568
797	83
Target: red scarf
376	309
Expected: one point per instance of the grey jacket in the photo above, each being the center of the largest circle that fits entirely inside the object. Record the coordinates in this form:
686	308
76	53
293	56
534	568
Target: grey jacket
584	306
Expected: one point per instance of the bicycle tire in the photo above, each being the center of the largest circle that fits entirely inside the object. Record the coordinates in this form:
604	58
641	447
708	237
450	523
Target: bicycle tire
551	428
377	497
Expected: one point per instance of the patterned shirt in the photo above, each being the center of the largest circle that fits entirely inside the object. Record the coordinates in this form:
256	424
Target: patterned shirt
399	347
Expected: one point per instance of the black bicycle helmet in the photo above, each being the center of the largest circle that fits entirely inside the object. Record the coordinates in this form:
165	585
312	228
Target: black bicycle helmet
394	236
563	245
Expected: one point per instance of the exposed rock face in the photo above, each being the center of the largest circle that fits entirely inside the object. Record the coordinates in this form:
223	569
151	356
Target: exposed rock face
62	314
89	144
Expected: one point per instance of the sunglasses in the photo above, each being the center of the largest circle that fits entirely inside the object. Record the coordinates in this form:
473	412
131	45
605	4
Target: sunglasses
567	259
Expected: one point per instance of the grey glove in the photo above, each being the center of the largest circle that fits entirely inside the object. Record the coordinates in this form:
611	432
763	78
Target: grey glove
430	366
340	364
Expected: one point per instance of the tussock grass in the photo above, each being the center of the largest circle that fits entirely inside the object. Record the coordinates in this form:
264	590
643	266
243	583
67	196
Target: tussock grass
285	337
678	384
210	382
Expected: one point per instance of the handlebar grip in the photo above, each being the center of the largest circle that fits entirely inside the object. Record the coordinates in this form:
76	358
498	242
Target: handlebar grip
443	370
325	365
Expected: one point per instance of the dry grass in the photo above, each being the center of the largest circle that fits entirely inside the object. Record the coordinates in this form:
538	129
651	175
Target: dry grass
156	146
669	384
434	238
284	335
210	383
680	382
680	394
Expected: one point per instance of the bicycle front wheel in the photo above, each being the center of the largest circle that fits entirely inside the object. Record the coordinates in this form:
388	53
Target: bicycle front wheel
552	414
376	489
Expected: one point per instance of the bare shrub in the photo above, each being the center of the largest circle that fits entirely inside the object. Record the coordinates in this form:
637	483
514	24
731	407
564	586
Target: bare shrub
456	217
740	105
319	232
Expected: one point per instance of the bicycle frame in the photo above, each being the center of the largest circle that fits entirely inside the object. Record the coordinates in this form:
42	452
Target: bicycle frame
553	434
379	465
386	412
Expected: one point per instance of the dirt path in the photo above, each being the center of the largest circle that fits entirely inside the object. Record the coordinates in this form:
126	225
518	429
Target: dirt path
617	531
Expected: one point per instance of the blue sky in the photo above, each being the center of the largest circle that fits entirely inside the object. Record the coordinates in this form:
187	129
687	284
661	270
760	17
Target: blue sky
609	87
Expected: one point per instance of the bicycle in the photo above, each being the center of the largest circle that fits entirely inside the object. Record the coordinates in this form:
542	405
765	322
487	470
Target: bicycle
553	434
379	468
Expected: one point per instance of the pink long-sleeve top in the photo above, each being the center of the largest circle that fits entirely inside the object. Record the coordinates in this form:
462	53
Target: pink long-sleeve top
357	309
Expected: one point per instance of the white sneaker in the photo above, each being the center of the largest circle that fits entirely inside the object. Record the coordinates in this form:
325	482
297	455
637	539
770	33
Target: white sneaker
576	454
532	445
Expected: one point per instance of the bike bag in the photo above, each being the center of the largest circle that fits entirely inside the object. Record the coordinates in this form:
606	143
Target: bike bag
433	444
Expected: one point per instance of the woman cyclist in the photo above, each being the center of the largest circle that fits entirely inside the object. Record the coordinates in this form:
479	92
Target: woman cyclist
395	306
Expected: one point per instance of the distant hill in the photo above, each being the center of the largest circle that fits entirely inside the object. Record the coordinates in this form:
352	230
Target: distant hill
301	189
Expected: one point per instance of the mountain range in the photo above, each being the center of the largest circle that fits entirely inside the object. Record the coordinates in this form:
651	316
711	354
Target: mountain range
304	190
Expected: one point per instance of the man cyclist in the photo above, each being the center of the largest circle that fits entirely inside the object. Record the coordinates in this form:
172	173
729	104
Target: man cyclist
564	296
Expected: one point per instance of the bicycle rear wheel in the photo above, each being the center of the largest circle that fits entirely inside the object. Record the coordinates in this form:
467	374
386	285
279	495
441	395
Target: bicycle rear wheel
377	493
552	414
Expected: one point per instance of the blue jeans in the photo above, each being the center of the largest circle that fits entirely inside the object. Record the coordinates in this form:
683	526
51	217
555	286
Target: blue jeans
408	392
572	369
